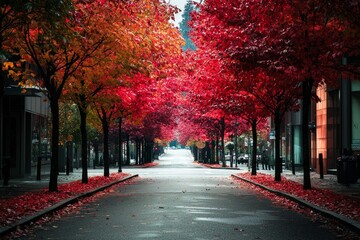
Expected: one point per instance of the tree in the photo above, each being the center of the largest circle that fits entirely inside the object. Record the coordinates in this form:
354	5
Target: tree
252	112
272	96
12	14
209	92
89	79
126	109
55	49
105	113
145	42
311	42
306	51
184	26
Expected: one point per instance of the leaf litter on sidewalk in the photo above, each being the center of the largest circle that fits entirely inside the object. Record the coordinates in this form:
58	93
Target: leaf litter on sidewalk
325	198
13	209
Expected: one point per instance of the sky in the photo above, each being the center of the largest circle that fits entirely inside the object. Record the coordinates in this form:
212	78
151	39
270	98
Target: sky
180	4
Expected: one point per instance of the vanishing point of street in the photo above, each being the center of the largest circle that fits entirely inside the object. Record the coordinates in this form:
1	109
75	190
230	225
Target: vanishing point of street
182	200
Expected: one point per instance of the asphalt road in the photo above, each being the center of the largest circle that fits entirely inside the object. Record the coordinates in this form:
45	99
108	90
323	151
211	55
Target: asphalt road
180	200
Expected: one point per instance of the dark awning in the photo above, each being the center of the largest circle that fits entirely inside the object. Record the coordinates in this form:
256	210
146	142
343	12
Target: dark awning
18	91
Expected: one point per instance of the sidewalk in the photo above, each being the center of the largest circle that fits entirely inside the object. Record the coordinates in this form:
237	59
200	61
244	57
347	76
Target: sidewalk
329	182
18	187
21	186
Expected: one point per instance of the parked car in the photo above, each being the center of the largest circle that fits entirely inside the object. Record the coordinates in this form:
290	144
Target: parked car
243	158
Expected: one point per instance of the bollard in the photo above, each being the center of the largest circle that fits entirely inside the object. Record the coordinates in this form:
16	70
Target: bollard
38	169
321	166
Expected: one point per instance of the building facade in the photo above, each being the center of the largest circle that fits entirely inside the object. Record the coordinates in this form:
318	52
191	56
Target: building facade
25	129
334	127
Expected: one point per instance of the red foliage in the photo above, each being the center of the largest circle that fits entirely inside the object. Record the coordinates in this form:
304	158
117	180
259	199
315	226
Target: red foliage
13	209
324	198
152	164
212	165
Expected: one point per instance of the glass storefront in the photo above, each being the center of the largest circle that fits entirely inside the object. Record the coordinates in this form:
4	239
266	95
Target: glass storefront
297	144
355	116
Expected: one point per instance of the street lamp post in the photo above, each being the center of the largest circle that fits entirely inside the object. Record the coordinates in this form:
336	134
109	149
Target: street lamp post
120	146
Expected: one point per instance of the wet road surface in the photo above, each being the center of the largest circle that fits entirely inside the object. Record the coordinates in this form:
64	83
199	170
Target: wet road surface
181	200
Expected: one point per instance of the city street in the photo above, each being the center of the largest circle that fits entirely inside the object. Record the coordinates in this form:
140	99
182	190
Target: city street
182	200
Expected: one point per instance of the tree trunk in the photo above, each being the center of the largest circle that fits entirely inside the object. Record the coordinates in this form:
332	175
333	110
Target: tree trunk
96	150
137	152
146	151
278	162
254	137
222	136
54	104
105	126
306	87
202	155
2	86
212	153
236	151
217	160
142	151
120	146
127	149
207	152
84	139
149	146
195	153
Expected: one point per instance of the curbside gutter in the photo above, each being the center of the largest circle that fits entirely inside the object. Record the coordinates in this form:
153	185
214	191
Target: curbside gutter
36	216
227	168
213	167
352	224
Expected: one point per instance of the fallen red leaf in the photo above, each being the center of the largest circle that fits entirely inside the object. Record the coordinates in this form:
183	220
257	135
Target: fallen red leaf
13	209
324	198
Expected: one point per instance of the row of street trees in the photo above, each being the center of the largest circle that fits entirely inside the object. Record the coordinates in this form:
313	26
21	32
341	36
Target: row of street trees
111	58
256	59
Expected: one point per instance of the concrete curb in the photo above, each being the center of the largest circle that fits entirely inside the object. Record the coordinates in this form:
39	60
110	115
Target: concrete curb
36	216
140	166
227	168
352	224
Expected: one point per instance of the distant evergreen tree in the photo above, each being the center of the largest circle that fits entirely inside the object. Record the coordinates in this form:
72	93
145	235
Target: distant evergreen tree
184	26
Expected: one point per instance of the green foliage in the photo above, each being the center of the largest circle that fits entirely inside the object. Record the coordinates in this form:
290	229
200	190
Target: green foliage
69	117
70	124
